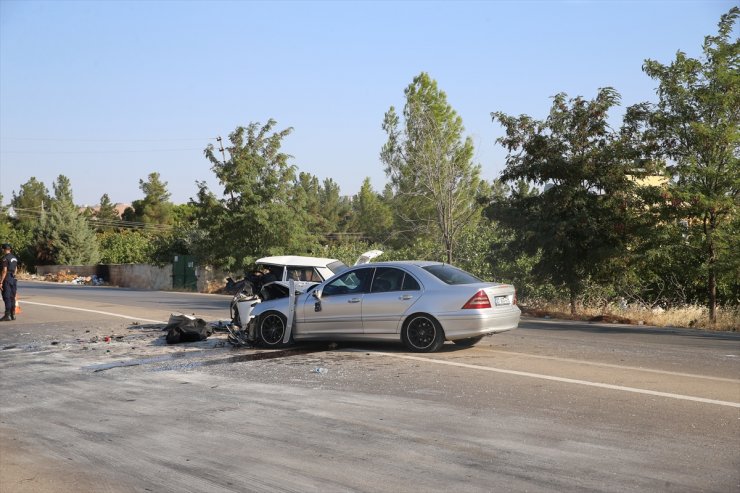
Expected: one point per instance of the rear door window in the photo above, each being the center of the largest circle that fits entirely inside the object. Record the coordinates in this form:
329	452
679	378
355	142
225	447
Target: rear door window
387	279
410	284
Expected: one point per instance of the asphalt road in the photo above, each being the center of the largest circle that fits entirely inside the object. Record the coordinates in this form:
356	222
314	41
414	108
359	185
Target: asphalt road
551	406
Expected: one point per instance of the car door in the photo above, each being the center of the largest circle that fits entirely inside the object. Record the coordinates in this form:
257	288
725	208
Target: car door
386	303
338	308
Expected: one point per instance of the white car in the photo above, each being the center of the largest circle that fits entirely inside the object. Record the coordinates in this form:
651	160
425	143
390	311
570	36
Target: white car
304	271
311	269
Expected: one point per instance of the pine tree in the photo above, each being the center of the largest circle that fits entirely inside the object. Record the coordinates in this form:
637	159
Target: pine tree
63	235
106	216
434	180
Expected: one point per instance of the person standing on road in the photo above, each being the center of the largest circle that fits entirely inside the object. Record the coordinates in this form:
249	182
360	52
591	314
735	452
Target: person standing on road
7	281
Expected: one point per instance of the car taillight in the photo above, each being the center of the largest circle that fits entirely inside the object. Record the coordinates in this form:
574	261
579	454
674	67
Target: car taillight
480	300
514	298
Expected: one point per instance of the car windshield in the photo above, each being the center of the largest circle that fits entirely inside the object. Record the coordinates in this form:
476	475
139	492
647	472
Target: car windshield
451	275
337	267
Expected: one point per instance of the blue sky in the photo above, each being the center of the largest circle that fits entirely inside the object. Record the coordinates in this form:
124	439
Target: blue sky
107	92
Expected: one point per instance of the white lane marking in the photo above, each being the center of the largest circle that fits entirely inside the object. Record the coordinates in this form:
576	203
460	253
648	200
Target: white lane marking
558	379
25	302
609	365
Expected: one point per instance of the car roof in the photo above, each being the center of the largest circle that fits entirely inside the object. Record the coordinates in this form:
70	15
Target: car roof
297	261
401	263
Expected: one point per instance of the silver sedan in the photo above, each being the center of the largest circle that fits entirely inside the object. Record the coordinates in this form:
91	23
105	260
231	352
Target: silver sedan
419	303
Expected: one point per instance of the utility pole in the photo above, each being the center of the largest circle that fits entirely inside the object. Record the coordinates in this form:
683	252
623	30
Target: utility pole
221	148
223	158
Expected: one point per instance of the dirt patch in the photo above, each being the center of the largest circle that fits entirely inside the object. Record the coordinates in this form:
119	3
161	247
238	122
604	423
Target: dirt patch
606	318
693	317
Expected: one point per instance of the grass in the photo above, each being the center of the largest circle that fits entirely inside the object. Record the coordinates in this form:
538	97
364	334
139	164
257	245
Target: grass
691	316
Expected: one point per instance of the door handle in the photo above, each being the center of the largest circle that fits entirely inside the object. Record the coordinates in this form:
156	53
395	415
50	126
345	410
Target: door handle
405	297
354	300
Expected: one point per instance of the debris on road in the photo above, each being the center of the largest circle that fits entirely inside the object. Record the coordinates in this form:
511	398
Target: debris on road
220	326
238	337
186	328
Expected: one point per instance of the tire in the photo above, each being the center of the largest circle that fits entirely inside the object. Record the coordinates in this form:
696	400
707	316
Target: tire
467	342
422	334
271	330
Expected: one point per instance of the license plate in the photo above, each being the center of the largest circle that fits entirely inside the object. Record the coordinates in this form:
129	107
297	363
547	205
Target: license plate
501	300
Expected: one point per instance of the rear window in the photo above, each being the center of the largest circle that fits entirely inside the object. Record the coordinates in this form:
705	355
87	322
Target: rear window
451	275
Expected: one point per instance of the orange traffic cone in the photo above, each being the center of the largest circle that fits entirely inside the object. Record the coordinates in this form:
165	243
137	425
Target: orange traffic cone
17	305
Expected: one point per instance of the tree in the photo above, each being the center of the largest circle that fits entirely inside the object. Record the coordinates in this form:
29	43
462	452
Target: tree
581	222
106	217
257	213
5	222
183	214
125	247
307	195
333	208
20	237
696	124
326	209
155	207
32	198
371	215
63	235
430	165
63	189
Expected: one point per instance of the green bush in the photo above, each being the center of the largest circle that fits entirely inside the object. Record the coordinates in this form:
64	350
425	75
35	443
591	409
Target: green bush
126	247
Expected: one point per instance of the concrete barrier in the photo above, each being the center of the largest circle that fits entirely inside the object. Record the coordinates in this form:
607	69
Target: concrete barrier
139	276
210	279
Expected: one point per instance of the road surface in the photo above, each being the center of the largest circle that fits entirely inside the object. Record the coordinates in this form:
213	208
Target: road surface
551	406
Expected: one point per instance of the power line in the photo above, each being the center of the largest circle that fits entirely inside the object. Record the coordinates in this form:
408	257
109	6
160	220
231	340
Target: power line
33	139
109	151
96	222
103	152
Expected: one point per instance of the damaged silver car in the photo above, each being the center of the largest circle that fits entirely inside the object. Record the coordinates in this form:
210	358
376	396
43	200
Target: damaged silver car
419	303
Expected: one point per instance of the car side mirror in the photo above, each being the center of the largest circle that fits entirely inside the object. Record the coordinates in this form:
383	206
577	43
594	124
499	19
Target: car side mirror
316	293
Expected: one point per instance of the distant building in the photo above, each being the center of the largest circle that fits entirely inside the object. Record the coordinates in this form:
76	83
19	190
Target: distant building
651	180
118	206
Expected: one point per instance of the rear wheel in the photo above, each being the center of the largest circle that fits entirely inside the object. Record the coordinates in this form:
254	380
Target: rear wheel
422	334
271	328
469	341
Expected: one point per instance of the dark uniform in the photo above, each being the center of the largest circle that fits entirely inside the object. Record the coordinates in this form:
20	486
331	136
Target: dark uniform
9	286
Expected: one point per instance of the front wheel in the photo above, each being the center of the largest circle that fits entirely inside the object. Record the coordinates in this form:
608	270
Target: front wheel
467	342
271	328
422	334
